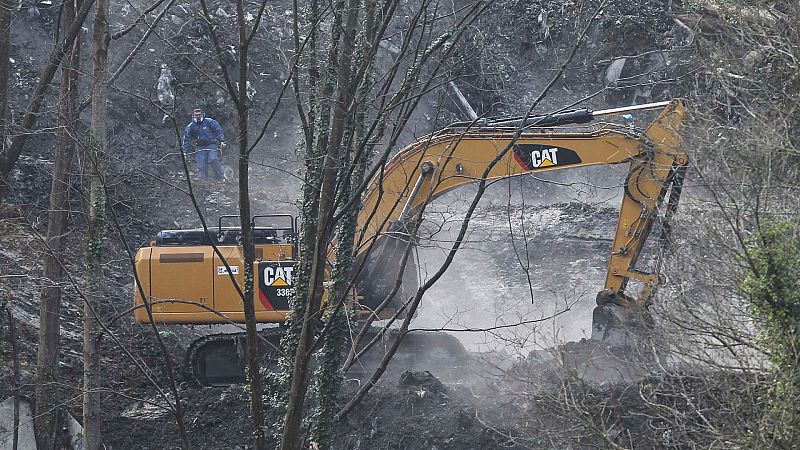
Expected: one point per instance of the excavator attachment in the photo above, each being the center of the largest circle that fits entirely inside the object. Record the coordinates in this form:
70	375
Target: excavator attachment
387	276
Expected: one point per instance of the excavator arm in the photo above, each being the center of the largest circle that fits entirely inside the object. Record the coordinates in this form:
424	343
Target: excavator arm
466	153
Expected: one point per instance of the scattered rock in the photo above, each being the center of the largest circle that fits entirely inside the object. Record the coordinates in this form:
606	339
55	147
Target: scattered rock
25	436
614	71
250	91
166	94
422	384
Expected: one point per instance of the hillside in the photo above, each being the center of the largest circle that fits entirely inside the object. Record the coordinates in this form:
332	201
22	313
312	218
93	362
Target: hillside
511	395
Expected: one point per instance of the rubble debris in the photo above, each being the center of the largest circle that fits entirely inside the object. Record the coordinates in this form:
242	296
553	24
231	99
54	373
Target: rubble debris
26	438
422	384
250	91
471	115
166	95
614	71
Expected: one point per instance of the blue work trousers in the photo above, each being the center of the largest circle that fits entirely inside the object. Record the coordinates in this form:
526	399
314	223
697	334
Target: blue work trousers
206	157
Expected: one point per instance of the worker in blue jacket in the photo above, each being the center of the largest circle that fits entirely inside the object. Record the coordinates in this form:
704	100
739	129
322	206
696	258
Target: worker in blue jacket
203	133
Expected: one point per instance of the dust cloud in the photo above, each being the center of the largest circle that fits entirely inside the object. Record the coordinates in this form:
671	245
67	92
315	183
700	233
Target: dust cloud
536	248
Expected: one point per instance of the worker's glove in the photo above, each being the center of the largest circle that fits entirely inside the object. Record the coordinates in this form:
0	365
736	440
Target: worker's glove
222	146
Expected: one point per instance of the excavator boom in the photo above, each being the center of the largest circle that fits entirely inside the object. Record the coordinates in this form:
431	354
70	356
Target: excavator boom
461	154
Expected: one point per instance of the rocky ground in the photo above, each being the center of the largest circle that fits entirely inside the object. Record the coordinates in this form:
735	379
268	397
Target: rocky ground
497	280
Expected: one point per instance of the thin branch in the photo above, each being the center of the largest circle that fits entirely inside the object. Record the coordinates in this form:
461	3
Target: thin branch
140	19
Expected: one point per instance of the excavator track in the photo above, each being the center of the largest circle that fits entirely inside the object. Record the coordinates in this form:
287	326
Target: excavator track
219	359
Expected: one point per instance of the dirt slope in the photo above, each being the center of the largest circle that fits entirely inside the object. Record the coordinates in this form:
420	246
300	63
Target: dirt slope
147	187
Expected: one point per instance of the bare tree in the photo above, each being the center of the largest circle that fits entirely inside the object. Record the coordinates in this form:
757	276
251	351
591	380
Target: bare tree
752	61
10	155
339	139
241	99
95	206
48	404
727	314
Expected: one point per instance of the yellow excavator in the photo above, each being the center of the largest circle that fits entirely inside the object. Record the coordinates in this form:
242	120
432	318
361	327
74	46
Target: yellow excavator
187	283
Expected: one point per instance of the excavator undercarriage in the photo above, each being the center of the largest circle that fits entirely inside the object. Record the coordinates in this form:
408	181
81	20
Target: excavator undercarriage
195	276
219	359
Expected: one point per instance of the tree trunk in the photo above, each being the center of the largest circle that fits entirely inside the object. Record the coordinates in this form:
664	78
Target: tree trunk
319	101
47	396
334	346
292	437
95	207
335	342
253	372
7	8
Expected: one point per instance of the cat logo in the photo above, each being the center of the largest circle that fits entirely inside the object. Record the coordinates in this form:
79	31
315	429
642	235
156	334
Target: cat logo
275	284
544	158
278	276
